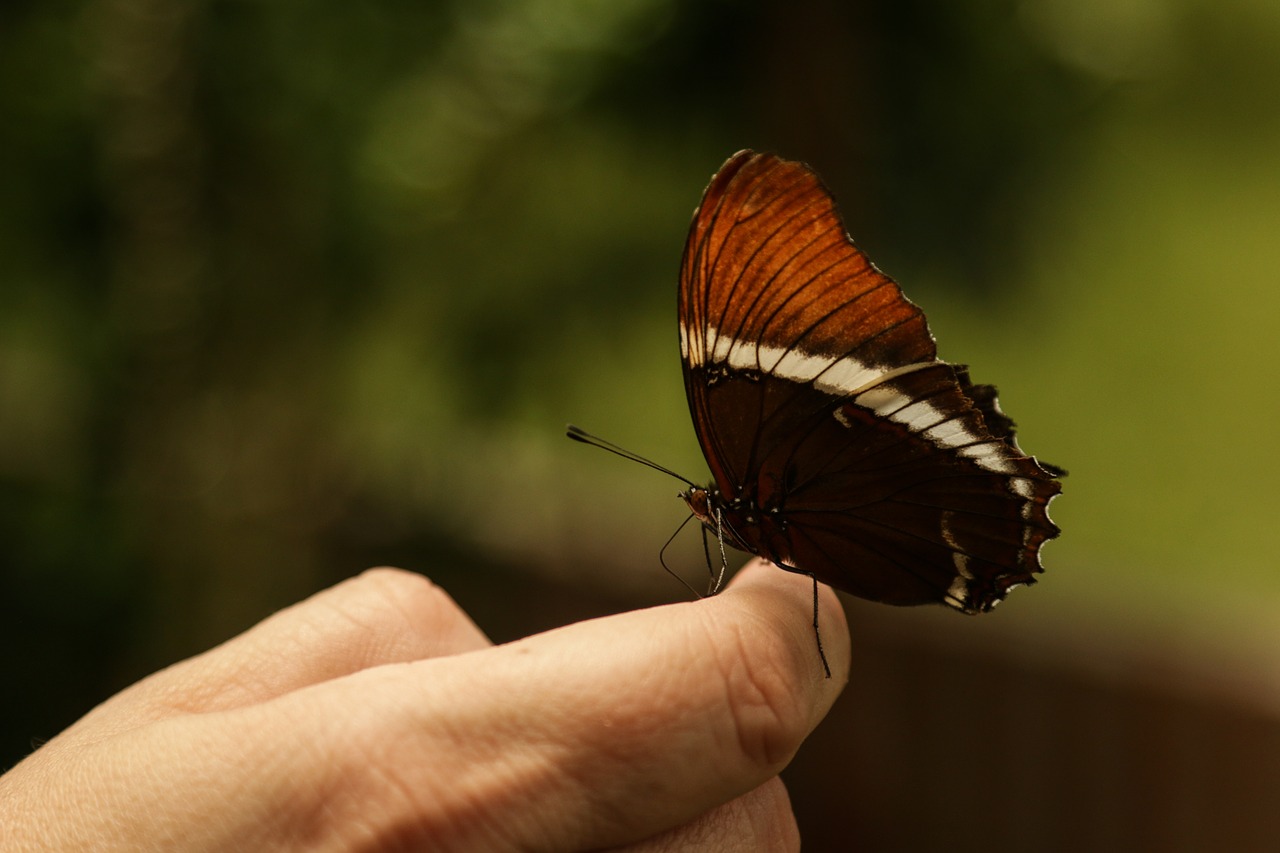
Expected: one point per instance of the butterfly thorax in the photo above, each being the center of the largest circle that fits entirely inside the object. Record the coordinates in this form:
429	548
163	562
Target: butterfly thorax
741	523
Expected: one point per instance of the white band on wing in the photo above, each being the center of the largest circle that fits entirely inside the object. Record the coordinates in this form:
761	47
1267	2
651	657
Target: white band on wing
869	387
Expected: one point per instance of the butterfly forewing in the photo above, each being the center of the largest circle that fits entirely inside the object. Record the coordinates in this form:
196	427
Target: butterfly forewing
840	445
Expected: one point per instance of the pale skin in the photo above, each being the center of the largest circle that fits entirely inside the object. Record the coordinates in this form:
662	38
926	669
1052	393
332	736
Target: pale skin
376	716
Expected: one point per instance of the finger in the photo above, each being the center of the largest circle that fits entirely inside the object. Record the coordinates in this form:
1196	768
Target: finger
381	616
604	732
759	820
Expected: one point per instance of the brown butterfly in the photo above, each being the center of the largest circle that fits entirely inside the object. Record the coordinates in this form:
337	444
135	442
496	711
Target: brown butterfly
841	447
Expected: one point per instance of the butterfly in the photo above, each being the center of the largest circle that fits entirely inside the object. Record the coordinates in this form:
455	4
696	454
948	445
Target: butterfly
840	446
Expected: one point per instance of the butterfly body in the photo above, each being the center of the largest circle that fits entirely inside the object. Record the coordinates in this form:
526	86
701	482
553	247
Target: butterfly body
742	522
840	445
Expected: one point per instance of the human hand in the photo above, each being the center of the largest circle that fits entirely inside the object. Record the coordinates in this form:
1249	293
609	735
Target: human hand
376	716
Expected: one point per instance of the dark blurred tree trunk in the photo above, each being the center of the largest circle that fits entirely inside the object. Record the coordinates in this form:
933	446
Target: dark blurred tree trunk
166	441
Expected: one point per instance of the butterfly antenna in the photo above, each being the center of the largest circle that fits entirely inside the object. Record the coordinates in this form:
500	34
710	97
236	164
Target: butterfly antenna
578	434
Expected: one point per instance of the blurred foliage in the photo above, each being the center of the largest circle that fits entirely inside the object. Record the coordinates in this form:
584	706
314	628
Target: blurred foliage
289	289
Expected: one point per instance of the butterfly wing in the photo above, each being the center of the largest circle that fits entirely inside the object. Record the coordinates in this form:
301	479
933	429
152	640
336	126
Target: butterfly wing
841	445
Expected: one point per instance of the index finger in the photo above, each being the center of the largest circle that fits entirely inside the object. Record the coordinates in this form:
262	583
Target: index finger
612	730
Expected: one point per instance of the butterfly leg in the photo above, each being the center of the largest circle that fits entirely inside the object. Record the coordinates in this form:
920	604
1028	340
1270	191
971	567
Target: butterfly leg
724	558
711	572
662	557
817	635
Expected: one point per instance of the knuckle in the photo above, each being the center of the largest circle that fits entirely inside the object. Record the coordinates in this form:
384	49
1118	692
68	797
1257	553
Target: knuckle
773	823
406	589
766	705
760	820
394	602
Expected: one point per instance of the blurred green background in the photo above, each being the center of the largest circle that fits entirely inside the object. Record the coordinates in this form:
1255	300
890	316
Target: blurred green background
291	289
